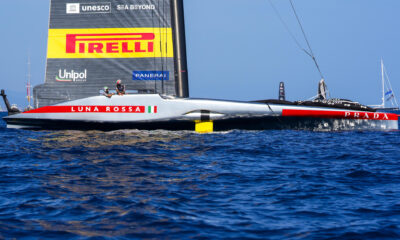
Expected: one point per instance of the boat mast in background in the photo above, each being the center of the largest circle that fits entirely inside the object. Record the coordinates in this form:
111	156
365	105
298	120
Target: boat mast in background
28	84
383	84
387	90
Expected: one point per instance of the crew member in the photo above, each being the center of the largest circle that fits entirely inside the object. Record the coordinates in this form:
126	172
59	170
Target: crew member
120	88
106	92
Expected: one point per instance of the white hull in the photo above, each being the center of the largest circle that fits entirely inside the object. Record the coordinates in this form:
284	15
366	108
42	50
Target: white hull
152	111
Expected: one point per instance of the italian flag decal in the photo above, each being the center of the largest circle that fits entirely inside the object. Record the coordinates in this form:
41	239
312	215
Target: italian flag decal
152	109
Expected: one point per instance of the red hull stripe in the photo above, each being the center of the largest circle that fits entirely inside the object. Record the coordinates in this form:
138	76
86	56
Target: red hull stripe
339	114
89	109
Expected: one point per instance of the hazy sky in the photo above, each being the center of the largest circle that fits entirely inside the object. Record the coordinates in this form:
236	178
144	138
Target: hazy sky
239	50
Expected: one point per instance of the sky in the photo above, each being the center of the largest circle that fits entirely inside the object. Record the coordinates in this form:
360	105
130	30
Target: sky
239	49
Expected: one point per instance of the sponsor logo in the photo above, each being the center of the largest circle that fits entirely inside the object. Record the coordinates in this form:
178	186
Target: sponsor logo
73	8
71	76
110	43
96	109
136	7
108	109
76	8
365	115
150	75
338	114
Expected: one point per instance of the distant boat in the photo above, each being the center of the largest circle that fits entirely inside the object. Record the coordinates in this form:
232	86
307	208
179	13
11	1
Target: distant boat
388	95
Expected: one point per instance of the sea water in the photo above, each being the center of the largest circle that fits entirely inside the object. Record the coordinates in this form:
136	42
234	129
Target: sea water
132	184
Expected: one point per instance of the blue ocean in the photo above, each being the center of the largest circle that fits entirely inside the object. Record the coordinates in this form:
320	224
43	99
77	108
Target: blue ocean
131	184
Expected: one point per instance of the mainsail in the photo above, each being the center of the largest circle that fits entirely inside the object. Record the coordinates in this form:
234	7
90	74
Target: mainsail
91	44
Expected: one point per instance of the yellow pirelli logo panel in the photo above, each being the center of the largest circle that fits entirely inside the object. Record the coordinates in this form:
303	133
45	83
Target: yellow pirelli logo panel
110	43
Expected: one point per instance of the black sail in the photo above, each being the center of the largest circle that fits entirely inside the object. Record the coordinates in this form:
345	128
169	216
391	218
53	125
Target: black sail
92	44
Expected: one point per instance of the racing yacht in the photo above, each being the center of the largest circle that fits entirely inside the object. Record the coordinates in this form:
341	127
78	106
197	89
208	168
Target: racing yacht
91	44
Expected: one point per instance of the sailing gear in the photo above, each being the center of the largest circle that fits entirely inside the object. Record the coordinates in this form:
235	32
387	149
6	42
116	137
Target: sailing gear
12	109
282	95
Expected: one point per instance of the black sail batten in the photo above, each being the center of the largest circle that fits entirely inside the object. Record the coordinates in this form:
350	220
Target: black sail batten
149	68
181	70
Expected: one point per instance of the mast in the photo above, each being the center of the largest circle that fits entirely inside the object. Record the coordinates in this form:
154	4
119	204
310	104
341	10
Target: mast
181	72
383	84
392	96
28	85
